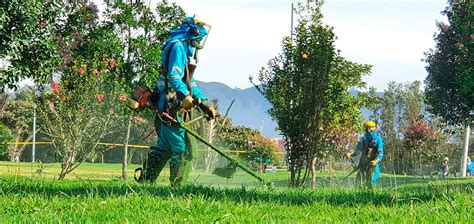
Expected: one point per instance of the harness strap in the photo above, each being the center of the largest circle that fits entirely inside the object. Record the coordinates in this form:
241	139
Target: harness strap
167	61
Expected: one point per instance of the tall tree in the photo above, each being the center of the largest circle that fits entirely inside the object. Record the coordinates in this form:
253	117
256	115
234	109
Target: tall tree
412	136
26	43
450	81
142	34
387	125
308	86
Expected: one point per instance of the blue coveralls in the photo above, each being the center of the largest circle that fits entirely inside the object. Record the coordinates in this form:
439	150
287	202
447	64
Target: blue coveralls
367	173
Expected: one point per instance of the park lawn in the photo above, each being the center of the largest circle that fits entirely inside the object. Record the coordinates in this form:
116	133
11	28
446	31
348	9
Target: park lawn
94	171
95	193
44	200
113	172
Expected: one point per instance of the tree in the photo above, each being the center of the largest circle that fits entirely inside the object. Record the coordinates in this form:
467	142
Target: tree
261	152
142	35
308	86
257	148
26	42
450	83
90	64
412	136
5	137
399	108
373	104
418	139
235	137
17	115
81	107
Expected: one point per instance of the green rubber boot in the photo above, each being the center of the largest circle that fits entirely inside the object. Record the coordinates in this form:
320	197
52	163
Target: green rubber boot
153	166
177	170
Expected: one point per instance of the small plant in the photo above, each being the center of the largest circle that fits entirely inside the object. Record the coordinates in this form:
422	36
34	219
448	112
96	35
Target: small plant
41	168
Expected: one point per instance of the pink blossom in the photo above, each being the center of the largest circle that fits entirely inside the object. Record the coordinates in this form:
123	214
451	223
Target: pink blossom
112	63
137	118
54	86
95	71
105	63
123	98
100	98
82	71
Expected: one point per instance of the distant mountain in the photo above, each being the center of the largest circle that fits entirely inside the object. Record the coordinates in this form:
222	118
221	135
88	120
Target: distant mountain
250	107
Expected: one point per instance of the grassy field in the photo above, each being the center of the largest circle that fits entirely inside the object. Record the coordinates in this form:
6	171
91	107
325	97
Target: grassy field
95	193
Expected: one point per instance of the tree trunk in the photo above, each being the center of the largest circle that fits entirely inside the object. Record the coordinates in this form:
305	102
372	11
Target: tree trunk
125	150
67	165
313	173
131	153
290	161
15	153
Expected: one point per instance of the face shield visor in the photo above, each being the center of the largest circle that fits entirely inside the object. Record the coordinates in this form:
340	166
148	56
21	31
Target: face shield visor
200	32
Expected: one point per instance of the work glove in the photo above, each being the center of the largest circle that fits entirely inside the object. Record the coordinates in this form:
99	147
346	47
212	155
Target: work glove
374	162
210	111
187	103
348	155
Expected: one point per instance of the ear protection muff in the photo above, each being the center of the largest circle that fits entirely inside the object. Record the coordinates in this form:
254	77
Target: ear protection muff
194	31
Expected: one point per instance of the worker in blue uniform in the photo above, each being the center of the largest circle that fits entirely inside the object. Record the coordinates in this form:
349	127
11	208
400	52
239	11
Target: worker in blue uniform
178	94
369	154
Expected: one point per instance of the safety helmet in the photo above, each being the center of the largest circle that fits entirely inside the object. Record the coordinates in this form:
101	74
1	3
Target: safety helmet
192	29
370	125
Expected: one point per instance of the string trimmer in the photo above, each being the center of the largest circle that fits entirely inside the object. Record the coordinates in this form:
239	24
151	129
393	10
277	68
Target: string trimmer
232	161
348	175
135	104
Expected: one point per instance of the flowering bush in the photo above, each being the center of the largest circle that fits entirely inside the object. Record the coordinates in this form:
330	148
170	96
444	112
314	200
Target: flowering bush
80	111
418	135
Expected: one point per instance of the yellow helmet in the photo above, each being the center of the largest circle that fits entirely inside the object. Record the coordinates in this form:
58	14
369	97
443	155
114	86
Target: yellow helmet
370	124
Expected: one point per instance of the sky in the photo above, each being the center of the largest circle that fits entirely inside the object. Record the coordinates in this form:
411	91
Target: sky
391	35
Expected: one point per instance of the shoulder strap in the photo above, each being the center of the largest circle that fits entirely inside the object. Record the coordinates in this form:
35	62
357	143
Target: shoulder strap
167	61
187	78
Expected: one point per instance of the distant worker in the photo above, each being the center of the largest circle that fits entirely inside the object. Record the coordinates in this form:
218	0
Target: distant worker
444	168
369	153
262	163
178	95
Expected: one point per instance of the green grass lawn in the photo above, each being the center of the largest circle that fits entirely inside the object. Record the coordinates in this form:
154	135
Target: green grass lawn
94	193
